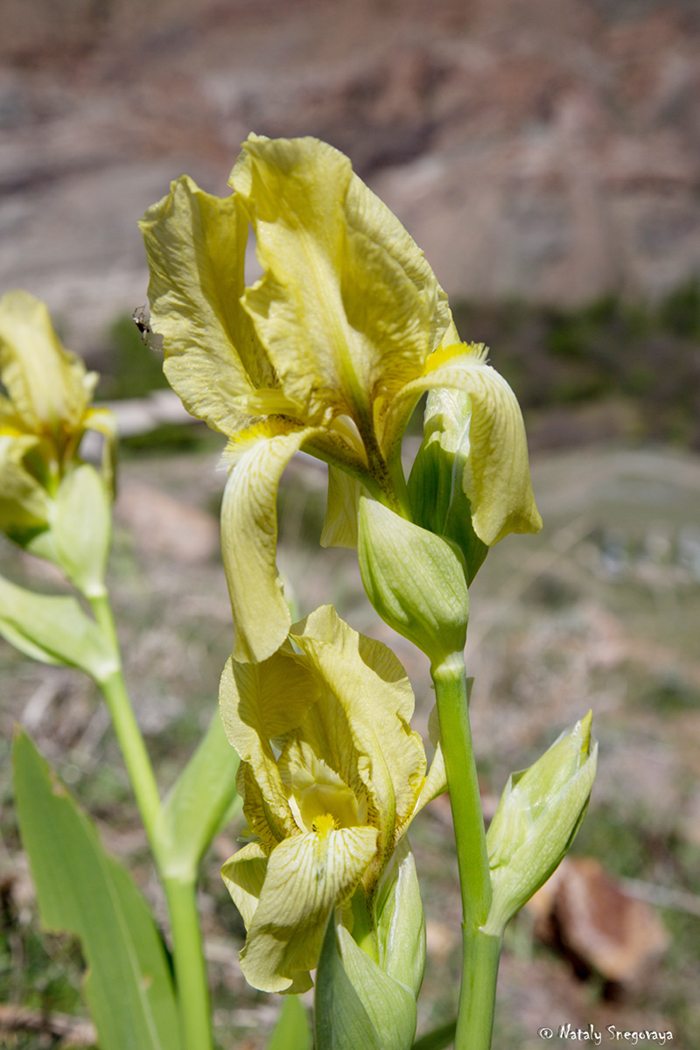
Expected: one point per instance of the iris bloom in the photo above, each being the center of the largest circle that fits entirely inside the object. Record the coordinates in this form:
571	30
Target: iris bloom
331	775
43	418
329	351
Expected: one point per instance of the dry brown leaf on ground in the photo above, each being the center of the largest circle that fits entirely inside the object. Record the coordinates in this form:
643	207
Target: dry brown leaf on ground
584	910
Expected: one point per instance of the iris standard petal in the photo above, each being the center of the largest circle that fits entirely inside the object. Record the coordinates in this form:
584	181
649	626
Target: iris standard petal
361	729
195	244
48	385
260	702
347	307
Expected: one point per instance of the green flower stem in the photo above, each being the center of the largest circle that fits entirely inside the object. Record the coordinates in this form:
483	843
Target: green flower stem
133	748
477	996
190	970
480	956
190	967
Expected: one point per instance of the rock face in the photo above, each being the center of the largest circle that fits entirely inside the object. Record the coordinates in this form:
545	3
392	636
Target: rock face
541	149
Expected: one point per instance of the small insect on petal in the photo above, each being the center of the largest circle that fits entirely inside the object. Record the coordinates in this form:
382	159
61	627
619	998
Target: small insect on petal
141	317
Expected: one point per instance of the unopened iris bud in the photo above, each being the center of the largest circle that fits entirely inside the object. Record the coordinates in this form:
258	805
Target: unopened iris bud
435	487
471	478
536	821
414	579
42	422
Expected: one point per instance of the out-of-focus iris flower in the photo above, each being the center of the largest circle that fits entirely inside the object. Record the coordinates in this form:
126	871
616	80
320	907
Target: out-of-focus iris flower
330	351
331	775
43	417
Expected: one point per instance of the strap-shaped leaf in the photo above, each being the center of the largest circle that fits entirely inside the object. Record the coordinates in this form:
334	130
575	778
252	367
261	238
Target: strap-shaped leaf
84	891
54	630
292	1031
202	797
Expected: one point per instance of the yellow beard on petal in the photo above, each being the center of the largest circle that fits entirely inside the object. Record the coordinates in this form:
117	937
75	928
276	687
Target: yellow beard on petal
324	824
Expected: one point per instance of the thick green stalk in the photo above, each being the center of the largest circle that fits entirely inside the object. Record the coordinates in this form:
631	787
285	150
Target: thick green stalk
190	967
477	995
190	970
481	953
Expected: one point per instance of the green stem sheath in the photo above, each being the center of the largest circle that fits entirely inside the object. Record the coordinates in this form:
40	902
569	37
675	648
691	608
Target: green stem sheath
190	968
481	953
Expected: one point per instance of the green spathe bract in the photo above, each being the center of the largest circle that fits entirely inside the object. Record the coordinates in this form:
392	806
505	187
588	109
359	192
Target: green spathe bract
536	821
414	579
81	524
400	920
357	1003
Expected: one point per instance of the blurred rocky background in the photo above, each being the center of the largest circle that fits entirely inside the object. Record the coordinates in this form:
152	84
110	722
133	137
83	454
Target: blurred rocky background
545	154
544	150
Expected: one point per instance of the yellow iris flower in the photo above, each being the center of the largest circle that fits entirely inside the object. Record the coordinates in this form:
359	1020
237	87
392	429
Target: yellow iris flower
43	418
330	351
331	775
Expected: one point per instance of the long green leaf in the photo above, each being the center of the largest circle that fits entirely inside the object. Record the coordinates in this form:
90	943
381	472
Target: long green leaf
202	797
292	1031
54	630
84	891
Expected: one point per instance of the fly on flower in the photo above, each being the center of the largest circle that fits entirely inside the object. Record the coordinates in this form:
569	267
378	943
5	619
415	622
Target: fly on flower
329	351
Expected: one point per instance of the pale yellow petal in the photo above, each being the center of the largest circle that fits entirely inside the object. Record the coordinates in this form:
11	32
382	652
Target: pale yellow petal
496	477
316	790
361	727
347	307
244	875
343	501
268	815
195	245
47	384
435	783
306	876
24	504
260	702
249	537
